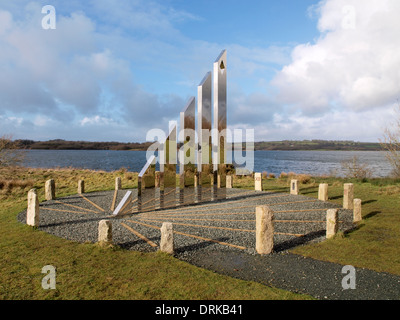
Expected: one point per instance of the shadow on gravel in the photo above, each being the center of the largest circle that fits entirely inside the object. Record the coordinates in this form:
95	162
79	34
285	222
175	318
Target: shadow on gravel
198	246
130	244
255	195
70	222
286	245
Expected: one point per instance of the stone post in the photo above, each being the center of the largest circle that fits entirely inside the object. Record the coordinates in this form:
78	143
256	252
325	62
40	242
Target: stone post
167	238
258	181
32	213
264	230
105	232
118	183
229	181
50	190
332	223
348	196
294	187
357	216
158	179
81	186
196	179
323	192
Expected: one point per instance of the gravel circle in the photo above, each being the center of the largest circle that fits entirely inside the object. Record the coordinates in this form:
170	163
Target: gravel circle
76	218
218	235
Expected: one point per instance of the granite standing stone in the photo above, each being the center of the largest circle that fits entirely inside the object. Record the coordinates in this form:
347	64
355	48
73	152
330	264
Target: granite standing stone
105	232
323	192
81	186
332	223
229	182
158	179
357	212
50	190
348	196
118	183
32	215
294	187
264	230
167	238
258	181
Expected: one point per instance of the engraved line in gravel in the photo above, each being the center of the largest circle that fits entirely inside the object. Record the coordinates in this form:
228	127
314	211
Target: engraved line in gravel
196	214
240	194
210	240
191	219
152	199
290	234
169	201
72	206
114	200
149	242
191	235
226	203
303	210
148	209
241	220
68	211
217	214
202	226
92	203
169	192
256	194
241	207
224	228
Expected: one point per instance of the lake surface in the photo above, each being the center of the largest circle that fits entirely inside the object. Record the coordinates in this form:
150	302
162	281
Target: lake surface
309	162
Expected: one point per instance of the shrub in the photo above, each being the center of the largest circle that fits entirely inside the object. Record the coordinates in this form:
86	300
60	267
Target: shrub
303	178
9	155
391	144
283	175
265	174
355	169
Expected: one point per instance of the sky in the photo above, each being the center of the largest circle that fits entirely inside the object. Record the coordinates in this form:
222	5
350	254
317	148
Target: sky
109	70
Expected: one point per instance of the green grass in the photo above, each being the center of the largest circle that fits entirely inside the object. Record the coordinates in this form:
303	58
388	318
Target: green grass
375	243
88	271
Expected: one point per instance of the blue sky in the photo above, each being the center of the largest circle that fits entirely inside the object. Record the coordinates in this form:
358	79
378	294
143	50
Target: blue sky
112	70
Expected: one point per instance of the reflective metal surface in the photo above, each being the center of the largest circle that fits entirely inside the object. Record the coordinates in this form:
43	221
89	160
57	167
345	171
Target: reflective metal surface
205	140
146	186
220	121
187	156
168	170
125	206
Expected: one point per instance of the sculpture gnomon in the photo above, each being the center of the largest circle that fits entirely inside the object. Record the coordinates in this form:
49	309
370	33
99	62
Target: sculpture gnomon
208	167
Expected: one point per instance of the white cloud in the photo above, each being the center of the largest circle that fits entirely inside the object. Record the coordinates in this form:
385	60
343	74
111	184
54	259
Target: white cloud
97	120
352	66
127	65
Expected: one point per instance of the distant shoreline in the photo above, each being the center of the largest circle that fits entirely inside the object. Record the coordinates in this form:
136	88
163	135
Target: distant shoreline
285	145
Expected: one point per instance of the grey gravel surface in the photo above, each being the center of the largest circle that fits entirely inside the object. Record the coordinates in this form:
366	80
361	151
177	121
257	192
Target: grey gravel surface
220	236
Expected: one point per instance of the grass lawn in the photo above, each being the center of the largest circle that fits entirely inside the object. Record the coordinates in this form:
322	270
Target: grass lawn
87	271
375	243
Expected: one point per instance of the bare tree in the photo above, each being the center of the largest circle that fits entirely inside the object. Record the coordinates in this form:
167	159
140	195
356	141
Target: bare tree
353	168
391	144
9	155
